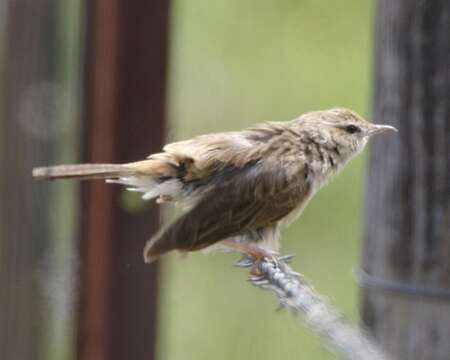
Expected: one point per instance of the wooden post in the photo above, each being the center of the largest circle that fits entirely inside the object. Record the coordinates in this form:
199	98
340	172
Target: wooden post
29	89
407	237
125	105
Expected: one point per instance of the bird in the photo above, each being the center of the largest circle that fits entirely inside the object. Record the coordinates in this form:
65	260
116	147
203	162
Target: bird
237	189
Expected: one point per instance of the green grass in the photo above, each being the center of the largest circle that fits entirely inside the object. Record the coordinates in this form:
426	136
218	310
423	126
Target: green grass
233	64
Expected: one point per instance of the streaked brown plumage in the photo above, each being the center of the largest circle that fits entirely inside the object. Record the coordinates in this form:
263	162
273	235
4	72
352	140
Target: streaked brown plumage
237	186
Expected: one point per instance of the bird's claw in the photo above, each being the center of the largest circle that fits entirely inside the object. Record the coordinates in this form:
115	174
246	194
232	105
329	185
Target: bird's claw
286	258
253	260
245	262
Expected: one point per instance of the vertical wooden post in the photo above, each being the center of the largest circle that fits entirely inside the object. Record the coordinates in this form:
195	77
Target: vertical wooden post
125	105
407	237
28	135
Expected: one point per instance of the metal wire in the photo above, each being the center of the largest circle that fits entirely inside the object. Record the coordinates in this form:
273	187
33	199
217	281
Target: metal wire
369	281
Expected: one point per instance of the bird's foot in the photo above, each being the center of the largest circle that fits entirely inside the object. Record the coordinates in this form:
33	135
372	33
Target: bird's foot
253	255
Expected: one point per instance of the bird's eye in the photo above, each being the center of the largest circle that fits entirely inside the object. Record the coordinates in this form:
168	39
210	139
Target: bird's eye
351	129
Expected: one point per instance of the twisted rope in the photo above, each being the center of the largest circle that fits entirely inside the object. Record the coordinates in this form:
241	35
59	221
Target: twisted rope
294	292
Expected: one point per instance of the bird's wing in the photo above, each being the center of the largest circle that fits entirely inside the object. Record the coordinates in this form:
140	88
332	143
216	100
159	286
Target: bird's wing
200	156
258	195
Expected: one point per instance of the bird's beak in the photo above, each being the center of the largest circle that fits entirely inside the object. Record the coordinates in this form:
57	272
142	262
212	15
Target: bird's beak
378	129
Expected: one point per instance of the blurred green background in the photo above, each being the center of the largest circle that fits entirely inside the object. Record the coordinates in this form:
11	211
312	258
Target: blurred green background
235	63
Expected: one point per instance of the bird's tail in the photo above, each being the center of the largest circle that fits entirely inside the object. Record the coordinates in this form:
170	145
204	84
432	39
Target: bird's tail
155	177
83	171
152	167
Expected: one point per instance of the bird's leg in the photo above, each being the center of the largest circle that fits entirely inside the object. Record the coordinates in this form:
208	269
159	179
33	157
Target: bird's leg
256	253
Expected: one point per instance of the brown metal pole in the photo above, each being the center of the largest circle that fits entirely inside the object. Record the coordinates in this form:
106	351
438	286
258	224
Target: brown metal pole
407	241
127	49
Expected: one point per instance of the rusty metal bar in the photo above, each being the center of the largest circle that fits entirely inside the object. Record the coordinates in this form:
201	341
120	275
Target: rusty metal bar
127	45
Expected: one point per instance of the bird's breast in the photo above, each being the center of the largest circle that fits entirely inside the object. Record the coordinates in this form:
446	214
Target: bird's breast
312	179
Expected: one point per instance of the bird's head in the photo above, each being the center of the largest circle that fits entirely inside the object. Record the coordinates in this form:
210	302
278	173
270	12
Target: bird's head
342	128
